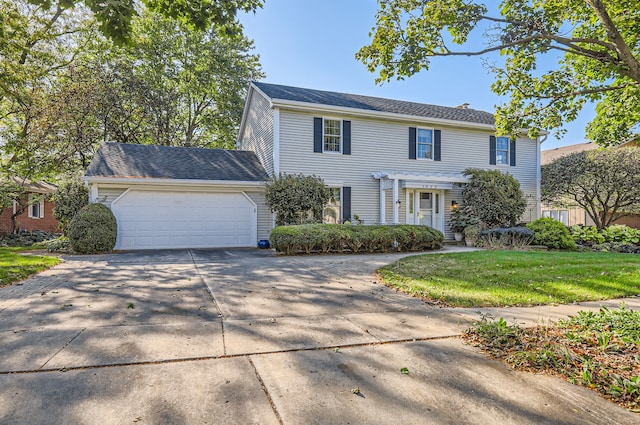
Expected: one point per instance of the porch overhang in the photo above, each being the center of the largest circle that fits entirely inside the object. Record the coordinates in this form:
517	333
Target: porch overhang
392	180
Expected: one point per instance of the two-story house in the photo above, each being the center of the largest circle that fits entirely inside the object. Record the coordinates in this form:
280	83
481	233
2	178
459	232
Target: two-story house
387	161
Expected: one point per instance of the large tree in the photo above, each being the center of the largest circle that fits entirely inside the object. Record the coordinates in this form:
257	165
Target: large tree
594	43
605	183
115	17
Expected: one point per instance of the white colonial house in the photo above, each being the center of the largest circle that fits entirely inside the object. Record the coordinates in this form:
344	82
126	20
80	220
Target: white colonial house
387	161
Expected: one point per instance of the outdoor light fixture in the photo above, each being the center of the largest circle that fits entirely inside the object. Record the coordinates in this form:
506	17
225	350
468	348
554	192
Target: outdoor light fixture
398	203
454	205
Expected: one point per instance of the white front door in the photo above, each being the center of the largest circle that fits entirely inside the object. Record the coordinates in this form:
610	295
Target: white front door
425	208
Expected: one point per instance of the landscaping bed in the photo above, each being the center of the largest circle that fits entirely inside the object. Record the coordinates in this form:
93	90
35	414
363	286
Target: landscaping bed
600	351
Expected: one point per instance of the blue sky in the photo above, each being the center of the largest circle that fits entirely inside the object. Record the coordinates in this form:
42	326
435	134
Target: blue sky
312	43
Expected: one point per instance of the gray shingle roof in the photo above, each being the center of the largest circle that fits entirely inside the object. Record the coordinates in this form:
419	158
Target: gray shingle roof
377	104
165	162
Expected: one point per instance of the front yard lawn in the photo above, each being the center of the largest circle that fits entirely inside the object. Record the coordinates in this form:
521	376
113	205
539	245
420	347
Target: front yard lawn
15	267
515	278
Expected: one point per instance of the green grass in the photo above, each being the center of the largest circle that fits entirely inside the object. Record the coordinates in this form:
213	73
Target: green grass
15	267
515	278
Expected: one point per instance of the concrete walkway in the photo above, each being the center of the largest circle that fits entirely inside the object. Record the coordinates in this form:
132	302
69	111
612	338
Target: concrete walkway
247	337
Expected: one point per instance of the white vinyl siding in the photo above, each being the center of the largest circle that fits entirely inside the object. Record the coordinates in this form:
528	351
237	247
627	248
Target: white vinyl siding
265	218
258	131
106	195
382	146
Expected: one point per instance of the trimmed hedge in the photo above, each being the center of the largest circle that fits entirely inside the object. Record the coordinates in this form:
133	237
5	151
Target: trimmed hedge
308	238
93	230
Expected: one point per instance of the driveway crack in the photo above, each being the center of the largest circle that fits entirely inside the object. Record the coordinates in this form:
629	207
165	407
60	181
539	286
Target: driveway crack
213	299
63	347
266	392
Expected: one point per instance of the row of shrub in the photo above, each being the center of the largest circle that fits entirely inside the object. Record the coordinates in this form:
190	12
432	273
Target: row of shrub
323	238
555	235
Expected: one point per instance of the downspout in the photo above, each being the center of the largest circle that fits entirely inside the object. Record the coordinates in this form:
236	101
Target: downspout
539	175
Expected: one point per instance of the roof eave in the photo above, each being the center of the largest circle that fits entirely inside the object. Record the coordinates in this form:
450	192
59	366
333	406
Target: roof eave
308	106
140	181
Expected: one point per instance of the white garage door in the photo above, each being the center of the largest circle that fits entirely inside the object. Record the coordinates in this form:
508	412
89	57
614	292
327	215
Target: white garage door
161	219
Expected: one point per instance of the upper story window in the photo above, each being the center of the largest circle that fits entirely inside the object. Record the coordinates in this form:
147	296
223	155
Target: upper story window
424	144
332	135
502	150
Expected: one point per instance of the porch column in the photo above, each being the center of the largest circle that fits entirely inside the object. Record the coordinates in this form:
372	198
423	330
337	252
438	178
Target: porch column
395	201
383	218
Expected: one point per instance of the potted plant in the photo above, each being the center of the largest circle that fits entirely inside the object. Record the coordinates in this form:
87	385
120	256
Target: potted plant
471	234
459	220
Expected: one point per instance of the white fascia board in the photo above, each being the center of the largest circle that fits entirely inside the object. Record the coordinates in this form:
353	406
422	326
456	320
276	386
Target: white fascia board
314	107
245	111
135	181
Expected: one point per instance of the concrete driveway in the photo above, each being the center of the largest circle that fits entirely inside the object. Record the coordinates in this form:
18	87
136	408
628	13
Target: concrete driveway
247	337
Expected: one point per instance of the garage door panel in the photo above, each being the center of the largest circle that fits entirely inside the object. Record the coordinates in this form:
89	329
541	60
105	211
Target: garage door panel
164	219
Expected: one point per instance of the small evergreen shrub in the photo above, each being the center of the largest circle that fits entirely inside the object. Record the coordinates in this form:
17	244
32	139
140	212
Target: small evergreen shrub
506	237
552	234
92	230
70	197
308	238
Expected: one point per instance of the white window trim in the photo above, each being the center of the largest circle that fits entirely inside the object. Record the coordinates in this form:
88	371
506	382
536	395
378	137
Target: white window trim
341	136
40	208
432	142
339	218
508	163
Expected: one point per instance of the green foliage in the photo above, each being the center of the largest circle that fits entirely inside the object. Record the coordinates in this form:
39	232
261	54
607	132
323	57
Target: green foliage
495	198
598	60
93	230
68	199
461	218
551	233
586	235
60	244
15	267
114	17
596	349
309	238
296	198
605	183
472	233
505	238
619	233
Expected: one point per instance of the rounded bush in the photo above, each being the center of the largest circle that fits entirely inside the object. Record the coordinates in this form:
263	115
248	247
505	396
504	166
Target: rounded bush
552	234
93	230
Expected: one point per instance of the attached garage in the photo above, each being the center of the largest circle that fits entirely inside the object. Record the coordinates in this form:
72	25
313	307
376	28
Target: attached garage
169	197
153	219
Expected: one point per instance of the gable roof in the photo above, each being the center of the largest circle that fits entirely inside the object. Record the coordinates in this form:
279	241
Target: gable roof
121	160
35	187
376	104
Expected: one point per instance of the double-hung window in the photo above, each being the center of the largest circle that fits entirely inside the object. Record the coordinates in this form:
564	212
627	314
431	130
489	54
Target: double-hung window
36	207
332	135
331	213
502	150
424	143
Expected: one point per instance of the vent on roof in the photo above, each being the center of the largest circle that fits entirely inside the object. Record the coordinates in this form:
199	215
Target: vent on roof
463	106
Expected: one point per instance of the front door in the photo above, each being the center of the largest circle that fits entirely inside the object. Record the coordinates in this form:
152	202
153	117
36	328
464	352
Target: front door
424	208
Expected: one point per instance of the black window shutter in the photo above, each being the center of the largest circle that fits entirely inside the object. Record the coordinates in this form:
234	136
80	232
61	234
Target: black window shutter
436	144
512	153
317	134
412	143
346	203
492	150
346	137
